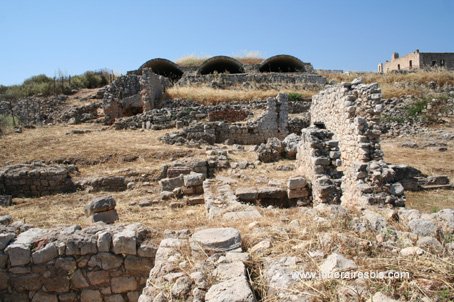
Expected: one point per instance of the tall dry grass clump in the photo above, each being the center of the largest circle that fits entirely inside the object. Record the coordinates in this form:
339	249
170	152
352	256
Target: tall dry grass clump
191	61
212	96
400	84
195	61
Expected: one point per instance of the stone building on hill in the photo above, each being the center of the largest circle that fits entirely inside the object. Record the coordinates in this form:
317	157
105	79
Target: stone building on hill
418	60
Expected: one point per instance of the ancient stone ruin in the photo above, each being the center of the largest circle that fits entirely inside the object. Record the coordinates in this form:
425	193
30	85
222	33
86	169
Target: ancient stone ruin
272	123
143	90
98	263
343	159
35	179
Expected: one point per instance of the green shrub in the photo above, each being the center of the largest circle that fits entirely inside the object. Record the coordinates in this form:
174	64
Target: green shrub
7	123
45	86
417	108
295	97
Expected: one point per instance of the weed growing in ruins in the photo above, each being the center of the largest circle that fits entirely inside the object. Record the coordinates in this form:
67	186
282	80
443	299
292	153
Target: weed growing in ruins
295	97
7	123
416	109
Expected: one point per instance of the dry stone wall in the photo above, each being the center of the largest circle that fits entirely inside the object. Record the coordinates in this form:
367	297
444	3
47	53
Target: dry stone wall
318	157
35	179
98	263
133	94
254	80
273	123
208	265
351	112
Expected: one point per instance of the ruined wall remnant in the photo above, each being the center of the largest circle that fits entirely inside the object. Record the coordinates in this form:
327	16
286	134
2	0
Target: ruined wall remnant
351	112
35	179
133	94
318	157
273	123
98	263
254	80
208	265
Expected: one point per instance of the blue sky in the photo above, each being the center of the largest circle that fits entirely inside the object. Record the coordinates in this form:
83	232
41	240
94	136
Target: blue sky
72	36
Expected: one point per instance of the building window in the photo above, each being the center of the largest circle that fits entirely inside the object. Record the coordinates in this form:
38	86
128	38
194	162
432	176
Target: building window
442	62
410	64
434	63
398	66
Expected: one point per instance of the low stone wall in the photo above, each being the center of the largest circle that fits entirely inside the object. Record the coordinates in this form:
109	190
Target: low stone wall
273	123
98	263
254	80
35	179
351	112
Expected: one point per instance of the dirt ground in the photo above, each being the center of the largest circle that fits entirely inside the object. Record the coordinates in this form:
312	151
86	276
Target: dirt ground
103	152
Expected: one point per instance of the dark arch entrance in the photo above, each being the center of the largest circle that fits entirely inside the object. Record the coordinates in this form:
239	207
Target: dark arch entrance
282	63
220	64
164	67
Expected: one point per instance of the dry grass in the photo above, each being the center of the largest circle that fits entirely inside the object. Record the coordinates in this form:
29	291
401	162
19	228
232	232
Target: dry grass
102	145
399	84
429	162
430	275
210	96
190	61
195	61
335	235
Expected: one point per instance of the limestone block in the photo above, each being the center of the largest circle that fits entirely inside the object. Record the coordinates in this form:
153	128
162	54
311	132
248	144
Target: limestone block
168	184
45	254
108	217
104	241
124	242
19	254
100	204
123	284
90	295
193	179
5	239
233	290
216	240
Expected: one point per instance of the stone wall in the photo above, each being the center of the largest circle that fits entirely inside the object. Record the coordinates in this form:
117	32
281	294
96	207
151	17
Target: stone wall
98	263
351	112
208	265
273	123
254	80
132	94
318	157
35	179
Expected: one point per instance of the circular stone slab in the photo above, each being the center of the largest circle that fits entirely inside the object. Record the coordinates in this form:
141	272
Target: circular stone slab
216	240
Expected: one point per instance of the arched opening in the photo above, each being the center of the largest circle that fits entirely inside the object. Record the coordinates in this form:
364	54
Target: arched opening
282	63
164	67
221	64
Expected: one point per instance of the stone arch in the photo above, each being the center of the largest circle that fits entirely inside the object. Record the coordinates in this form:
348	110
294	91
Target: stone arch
164	67
282	63
221	64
